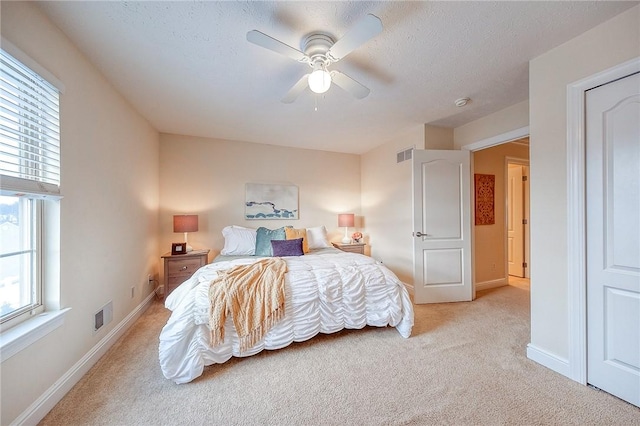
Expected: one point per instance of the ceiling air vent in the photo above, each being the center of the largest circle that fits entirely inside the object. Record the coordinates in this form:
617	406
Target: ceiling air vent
404	155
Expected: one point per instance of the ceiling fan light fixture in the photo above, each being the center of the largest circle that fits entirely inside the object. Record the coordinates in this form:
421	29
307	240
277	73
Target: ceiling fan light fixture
319	80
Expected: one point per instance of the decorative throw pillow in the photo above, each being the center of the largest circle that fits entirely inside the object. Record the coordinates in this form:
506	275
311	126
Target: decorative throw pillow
293	234
238	241
317	237
264	237
287	247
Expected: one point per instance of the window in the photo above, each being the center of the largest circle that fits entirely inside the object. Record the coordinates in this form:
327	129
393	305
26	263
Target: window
20	288
29	176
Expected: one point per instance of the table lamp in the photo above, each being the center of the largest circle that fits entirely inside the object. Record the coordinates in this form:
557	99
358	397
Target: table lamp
346	220
185	223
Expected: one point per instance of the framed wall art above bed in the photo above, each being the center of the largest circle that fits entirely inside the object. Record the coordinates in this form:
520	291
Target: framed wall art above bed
266	201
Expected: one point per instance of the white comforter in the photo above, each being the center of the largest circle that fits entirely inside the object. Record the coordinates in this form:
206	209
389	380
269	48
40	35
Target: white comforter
325	293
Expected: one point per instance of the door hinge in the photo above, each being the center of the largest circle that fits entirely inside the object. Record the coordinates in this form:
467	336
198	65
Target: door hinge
525	178
524	221
524	264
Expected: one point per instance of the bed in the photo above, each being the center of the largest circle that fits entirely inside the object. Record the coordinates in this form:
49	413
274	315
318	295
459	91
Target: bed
326	290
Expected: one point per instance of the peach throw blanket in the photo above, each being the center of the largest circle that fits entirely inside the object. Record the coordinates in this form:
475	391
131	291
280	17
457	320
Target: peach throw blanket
253	295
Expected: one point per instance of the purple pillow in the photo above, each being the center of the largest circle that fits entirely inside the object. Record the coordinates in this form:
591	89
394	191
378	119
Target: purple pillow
287	247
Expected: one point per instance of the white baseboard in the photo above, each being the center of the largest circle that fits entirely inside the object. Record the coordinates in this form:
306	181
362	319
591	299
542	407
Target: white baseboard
485	285
549	360
36	411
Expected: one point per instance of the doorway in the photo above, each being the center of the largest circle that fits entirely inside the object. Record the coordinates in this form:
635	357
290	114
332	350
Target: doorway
501	247
517	199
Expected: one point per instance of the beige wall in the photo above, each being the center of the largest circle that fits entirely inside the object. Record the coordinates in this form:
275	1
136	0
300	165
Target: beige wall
387	203
489	240
207	177
609	44
438	137
511	118
108	242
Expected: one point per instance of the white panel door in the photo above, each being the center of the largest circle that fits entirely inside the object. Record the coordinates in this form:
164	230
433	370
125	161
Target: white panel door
442	226
613	237
515	216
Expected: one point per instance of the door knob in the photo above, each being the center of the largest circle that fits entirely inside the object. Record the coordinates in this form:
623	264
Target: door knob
420	234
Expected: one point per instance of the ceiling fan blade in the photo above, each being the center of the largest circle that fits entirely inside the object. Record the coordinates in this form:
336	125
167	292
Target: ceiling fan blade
349	85
296	90
364	30
263	40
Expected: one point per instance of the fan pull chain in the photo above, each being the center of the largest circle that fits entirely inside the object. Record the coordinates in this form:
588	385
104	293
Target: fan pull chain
315	100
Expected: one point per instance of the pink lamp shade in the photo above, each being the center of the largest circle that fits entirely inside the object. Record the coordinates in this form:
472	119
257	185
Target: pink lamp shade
185	223
346	219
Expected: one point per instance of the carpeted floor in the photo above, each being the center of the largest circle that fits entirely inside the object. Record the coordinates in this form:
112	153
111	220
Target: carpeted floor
465	364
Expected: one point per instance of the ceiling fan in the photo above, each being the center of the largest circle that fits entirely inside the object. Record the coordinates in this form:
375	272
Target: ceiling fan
319	50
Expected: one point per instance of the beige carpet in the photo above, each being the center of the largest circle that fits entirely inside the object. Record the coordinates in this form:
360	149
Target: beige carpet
465	364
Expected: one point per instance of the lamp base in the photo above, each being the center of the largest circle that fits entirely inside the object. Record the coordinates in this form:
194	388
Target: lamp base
189	248
346	240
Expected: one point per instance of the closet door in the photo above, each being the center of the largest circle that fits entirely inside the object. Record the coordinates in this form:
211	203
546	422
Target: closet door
613	237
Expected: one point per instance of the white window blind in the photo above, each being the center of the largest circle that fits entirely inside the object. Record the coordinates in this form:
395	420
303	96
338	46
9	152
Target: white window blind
29	131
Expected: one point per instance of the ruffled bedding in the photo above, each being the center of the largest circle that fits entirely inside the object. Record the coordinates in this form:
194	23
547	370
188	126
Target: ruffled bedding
326	291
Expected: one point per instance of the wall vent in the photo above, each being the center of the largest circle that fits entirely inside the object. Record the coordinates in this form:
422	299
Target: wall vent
103	316
404	155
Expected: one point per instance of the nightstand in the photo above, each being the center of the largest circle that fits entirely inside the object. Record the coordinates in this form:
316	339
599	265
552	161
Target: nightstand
351	248
179	268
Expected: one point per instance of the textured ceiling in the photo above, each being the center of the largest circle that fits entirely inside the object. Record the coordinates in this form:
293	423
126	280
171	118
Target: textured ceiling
188	68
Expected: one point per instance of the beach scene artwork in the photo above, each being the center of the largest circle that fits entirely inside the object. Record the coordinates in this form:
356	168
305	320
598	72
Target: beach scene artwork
266	201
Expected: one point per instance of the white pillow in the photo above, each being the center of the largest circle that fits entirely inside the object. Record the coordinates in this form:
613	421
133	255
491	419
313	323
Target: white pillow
317	237
238	241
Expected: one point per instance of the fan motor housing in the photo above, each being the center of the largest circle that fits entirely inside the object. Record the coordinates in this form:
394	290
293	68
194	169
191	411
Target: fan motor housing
316	45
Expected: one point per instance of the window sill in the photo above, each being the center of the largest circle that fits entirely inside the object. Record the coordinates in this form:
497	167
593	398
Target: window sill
24	334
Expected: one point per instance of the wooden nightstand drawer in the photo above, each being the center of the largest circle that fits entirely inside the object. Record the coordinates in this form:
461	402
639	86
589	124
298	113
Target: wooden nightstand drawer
183	267
179	268
351	248
174	282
